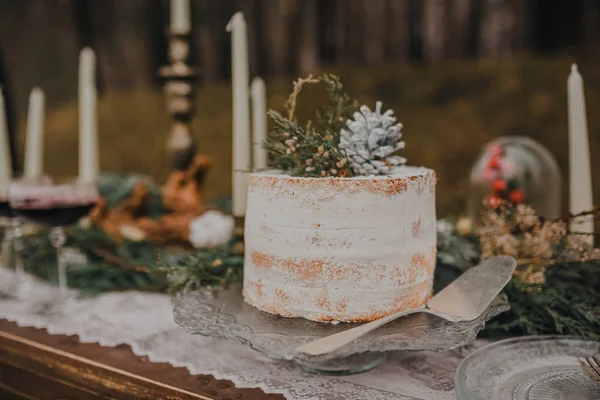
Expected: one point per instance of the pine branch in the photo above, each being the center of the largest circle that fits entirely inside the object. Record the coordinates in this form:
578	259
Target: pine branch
219	267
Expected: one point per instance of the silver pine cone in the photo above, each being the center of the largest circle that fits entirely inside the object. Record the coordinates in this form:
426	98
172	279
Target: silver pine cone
370	141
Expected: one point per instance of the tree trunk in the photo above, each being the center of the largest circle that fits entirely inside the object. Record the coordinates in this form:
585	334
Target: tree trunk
277	16
416	20
249	8
209	32
308	49
340	18
435	18
503	25
398	29
459	27
522	32
350	30
375	31
119	37
40	45
6	92
591	21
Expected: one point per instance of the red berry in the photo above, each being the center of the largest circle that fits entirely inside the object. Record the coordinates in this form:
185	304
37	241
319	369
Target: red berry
499	185
494	162
493	201
516	196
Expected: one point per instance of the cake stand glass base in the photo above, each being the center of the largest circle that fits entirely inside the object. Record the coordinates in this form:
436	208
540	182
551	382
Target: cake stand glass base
353	364
223	313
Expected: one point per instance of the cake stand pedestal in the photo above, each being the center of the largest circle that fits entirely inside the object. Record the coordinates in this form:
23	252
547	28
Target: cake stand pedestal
223	313
350	365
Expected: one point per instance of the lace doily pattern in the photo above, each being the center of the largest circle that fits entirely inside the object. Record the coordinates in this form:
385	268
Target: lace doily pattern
144	321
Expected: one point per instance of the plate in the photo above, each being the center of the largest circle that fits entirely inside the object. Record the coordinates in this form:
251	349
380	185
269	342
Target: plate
528	368
223	313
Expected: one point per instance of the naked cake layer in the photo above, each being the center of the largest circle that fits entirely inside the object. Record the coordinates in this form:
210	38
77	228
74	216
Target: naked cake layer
340	249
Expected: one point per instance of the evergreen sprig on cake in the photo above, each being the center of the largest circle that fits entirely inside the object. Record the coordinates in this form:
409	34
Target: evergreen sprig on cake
343	140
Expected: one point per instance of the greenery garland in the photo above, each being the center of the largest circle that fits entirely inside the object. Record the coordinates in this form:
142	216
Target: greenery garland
567	301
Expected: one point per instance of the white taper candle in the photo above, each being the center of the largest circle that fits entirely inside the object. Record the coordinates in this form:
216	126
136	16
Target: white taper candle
580	176
241	115
88	120
259	122
34	142
5	160
87	68
88	136
180	16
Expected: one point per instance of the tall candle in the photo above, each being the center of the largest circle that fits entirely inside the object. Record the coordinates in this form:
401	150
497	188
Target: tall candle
180	16
580	175
88	121
259	122
88	136
34	142
241	115
87	68
5	160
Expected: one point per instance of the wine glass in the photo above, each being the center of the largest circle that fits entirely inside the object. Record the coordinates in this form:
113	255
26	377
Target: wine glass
55	205
11	241
6	217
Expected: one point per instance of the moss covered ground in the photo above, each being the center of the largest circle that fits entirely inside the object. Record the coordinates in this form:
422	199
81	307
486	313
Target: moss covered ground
449	111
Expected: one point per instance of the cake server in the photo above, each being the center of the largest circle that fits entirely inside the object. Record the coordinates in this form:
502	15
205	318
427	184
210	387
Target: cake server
465	299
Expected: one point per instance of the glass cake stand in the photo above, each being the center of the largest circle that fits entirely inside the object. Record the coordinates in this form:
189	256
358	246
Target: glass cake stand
223	313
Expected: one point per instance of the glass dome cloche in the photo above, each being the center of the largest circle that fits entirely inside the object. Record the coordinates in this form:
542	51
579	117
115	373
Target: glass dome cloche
515	170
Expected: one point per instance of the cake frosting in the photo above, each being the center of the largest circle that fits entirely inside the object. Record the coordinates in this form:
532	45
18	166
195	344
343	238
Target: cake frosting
340	249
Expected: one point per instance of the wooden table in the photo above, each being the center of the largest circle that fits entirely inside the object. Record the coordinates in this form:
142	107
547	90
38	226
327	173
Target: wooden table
37	365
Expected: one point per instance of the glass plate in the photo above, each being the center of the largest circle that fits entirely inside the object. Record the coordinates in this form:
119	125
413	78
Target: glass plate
223	313
528	368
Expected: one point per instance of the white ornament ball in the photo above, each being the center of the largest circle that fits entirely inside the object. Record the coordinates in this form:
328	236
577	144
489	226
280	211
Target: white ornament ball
211	229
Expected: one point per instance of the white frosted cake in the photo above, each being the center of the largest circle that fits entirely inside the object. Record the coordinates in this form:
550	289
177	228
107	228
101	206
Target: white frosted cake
340	249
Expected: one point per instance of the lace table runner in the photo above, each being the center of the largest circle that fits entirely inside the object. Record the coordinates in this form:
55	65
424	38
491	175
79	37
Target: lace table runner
144	321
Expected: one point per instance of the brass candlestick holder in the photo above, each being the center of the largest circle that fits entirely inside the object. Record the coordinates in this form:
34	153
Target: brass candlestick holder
179	88
182	200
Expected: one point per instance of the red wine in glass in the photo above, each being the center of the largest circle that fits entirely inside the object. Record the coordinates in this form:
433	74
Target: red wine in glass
53	205
54	213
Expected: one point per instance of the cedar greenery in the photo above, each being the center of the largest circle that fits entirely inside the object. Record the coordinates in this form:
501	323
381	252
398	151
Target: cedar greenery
110	266
219	267
567	301
129	265
311	150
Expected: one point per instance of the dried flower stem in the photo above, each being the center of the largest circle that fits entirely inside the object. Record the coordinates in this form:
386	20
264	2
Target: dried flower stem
595	212
312	149
290	105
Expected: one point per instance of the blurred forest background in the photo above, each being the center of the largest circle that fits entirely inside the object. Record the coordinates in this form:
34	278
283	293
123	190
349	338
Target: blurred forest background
457	72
